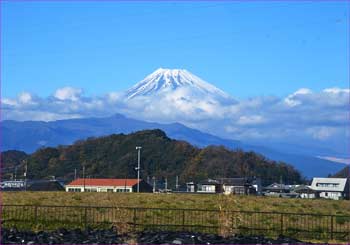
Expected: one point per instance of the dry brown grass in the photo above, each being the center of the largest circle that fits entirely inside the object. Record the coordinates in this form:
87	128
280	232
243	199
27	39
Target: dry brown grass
199	201
227	221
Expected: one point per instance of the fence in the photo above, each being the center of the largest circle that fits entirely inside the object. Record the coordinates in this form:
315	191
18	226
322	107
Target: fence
300	226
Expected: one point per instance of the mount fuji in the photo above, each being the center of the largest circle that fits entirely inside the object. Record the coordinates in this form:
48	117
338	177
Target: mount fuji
178	102
179	84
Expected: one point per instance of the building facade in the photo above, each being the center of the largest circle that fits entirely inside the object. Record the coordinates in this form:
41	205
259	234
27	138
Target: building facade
107	185
241	186
209	186
331	188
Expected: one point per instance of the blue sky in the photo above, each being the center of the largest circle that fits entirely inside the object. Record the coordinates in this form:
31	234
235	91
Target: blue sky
247	49
285	63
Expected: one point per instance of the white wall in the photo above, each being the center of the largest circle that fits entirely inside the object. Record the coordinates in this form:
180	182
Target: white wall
99	188
331	195
207	188
306	195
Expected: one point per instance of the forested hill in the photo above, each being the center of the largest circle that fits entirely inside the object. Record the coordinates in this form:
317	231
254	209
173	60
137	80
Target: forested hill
12	164
115	156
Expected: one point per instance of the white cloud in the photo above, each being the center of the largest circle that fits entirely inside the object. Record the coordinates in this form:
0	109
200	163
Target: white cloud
294	98
114	96
34	115
68	93
26	98
322	133
250	120
302	115
336	90
9	102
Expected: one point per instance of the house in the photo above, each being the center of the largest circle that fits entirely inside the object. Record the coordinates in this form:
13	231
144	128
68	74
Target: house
238	186
209	186
305	191
332	188
190	187
108	185
45	185
12	185
276	189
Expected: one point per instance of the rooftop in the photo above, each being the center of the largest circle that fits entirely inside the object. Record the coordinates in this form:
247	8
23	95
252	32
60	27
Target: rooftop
105	182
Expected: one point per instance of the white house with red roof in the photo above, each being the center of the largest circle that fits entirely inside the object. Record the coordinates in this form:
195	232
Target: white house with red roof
107	185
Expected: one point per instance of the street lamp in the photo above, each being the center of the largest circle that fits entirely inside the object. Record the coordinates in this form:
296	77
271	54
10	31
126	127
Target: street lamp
138	148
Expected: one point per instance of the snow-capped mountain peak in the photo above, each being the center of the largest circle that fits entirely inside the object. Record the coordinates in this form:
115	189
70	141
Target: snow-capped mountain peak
169	80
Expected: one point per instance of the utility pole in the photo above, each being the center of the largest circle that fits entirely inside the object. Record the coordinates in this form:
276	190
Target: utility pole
166	184
84	177
281	183
154	184
15	173
75	173
177	182
138	148
25	175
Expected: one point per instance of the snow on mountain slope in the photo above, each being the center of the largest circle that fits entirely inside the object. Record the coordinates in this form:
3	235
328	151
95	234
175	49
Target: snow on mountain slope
170	81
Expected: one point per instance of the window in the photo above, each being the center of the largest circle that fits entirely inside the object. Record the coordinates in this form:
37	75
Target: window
109	190
208	188
334	185
238	190
74	189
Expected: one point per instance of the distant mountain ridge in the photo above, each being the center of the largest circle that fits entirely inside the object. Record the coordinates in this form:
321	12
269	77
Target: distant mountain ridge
28	136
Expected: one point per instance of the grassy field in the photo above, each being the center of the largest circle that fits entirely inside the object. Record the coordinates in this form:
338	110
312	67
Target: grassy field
200	201
220	221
